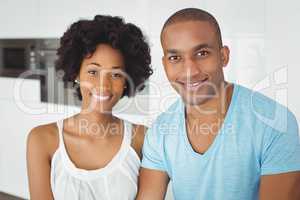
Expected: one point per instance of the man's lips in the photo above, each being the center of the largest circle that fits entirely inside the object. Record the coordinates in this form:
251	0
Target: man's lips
193	85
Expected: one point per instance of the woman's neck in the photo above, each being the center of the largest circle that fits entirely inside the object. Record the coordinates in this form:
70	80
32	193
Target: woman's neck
93	124
97	117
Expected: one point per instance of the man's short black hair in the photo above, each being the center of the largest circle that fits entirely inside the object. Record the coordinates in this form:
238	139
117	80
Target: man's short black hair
82	38
194	14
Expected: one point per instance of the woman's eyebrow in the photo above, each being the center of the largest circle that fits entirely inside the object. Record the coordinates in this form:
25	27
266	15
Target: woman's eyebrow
94	63
98	65
117	67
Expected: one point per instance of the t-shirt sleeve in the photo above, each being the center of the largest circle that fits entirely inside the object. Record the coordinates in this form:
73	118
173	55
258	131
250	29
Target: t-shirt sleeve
281	152
152	150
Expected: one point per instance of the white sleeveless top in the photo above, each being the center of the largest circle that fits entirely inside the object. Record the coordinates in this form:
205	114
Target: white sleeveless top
116	181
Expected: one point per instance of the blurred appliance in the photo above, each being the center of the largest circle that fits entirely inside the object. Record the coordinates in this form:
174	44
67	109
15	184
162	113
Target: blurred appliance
19	55
31	55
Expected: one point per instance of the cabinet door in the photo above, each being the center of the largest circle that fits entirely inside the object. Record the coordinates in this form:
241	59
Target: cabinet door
56	16
18	19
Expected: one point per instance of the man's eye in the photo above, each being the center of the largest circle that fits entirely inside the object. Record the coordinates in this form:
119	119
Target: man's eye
174	58
202	53
92	72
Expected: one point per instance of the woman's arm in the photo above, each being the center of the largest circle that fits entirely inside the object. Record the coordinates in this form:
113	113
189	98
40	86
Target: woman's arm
38	164
138	135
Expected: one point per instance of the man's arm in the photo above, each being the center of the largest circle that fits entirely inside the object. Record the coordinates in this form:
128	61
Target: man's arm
280	186
153	184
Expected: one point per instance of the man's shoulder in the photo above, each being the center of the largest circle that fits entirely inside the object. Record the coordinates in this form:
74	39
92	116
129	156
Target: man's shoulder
169	121
264	109
172	114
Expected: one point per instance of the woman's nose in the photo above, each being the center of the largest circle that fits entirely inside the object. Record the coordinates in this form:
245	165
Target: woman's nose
104	80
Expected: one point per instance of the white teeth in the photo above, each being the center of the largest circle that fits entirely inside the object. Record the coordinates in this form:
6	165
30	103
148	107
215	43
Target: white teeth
193	84
100	97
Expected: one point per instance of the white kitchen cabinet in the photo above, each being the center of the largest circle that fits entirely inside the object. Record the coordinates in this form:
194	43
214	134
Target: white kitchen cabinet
18	19
50	19
57	15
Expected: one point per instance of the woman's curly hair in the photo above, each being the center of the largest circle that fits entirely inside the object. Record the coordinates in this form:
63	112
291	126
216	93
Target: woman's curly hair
82	38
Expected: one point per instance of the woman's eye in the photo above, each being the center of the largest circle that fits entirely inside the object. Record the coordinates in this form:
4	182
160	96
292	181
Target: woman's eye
116	75
92	72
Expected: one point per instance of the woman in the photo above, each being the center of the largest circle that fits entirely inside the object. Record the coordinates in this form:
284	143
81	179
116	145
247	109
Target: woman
93	154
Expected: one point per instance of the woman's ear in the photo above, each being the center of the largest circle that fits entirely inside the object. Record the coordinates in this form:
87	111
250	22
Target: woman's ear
77	79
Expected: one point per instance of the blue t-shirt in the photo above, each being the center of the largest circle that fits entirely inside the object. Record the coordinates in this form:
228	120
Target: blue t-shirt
258	137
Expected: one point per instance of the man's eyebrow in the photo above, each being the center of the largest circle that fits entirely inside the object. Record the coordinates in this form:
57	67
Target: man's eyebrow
202	46
197	47
172	51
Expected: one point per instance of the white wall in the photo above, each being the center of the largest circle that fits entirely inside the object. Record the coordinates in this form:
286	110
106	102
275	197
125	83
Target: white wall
262	36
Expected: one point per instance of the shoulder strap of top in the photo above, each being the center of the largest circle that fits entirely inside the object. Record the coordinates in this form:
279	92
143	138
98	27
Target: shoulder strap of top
60	131
127	131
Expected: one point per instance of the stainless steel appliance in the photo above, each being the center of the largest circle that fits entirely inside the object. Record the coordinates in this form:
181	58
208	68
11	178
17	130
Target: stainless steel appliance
22	55
19	55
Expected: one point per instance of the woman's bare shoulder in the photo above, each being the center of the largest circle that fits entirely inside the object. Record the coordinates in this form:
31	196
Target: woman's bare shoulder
44	137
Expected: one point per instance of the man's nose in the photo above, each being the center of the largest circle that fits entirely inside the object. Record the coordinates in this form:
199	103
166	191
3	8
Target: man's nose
190	67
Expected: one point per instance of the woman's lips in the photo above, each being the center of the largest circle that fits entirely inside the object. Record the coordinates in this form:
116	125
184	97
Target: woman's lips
101	97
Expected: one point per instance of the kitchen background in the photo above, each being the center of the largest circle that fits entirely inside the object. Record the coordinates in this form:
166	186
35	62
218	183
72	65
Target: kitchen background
263	36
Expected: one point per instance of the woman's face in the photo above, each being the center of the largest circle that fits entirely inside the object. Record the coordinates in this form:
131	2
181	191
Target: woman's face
102	79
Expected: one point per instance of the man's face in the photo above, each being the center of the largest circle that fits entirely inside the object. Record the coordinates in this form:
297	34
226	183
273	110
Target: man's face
194	60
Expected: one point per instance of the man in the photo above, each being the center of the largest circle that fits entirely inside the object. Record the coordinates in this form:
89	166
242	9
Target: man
219	140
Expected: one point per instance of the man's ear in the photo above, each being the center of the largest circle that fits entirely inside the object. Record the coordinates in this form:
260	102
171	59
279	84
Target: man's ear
225	53
163	60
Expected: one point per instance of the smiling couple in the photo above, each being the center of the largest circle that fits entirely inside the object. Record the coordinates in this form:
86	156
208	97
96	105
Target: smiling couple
218	141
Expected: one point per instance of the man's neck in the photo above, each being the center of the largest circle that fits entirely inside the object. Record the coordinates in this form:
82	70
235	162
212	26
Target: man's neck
216	106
